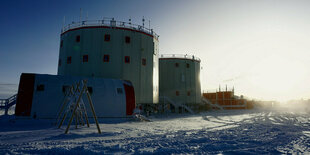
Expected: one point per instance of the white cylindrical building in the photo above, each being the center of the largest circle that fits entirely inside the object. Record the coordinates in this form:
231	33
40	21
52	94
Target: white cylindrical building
112	49
179	77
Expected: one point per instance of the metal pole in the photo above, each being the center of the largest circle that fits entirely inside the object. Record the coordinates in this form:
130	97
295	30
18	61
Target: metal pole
80	14
91	106
84	110
73	113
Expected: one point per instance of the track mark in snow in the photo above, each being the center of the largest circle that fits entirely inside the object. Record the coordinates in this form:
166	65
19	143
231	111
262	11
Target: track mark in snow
226	133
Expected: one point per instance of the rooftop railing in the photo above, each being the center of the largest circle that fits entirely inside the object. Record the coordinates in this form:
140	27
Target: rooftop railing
111	23
223	89
182	56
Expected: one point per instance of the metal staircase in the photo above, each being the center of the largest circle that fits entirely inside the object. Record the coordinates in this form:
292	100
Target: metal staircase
167	99
206	101
6	104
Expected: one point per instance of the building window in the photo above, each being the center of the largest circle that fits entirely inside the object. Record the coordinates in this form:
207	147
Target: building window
85	58
59	62
65	88
40	87
188	93
187	65
176	64
127	59
107	37
78	38
119	90
90	89
177	93
69	60
144	62
106	58
127	39
61	43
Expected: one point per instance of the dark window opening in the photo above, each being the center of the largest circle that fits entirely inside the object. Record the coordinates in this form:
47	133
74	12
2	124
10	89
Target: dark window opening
40	87
127	59
127	39
119	90
107	37
176	64
90	89
144	62
65	88
59	62
188	93
106	58
78	38
69	60
187	65
61	43
85	58
177	93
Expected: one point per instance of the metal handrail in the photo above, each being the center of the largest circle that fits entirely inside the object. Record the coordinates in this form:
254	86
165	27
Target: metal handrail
108	22
183	56
8	100
176	104
7	103
217	90
210	103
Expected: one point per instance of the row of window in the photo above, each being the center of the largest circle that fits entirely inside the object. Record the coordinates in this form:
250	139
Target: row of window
106	58
177	93
65	88
107	37
177	65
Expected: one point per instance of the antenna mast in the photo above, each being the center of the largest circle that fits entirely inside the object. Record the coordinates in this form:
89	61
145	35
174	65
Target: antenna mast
64	22
80	14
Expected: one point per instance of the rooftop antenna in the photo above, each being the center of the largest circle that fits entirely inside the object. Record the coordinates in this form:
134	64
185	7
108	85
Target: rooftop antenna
143	21
130	20
64	22
86	15
226	88
149	24
219	88
80	14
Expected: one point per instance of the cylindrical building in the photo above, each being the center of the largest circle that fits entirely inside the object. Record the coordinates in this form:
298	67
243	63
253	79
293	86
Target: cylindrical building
112	49
179	77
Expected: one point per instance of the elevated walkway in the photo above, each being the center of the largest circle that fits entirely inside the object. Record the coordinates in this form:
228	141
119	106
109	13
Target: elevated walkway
6	104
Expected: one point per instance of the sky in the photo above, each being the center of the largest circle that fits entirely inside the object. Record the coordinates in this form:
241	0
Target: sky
259	47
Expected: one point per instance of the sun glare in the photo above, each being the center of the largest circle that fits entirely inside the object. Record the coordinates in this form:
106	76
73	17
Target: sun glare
278	76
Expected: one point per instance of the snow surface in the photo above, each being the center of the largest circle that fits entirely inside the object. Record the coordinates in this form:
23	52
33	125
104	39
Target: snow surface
218	132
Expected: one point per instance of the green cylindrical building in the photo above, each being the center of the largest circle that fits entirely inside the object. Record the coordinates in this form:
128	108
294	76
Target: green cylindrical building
179	77
112	49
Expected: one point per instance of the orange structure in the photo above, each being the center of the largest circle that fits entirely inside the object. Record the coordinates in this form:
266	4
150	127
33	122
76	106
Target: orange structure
227	100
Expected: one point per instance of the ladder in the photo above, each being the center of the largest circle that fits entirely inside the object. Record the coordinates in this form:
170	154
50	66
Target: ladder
165	98
6	104
76	107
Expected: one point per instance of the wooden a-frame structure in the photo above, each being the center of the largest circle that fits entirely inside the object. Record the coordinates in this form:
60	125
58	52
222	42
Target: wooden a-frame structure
75	106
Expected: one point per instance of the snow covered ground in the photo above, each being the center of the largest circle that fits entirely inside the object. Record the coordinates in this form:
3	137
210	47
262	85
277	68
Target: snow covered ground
221	132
